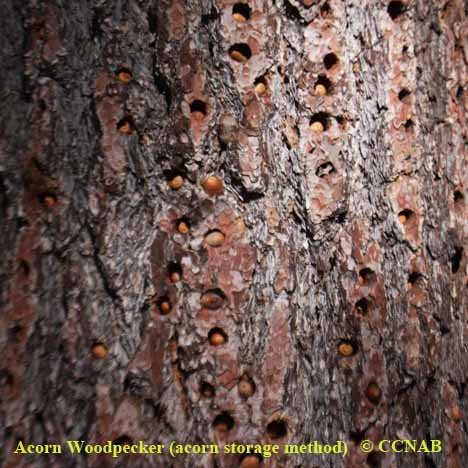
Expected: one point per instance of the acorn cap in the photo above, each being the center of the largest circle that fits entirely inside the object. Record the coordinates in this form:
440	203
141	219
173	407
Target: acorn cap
215	238
176	182
213	185
317	126
320	90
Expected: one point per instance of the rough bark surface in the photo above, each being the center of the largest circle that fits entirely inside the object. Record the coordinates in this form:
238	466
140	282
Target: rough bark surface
348	239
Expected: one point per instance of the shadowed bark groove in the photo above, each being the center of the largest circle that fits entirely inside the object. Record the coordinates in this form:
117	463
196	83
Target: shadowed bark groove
233	222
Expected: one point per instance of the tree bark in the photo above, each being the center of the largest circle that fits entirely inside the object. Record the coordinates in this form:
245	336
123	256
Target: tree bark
318	294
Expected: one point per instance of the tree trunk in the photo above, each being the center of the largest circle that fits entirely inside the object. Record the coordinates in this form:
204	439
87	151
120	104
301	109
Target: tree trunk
312	289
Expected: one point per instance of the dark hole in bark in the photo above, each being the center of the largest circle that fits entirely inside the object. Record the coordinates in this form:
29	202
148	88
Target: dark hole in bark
164	304
126	125
325	170
367	276
373	460
217	336
14	331
24	266
456	258
357	436
125	71
223	422
174	270
277	429
6	378
152	20
292	12
242	9
459	92
324	81
414	278
123	440
325	9
404	93
171	173
409	124
211	16
207	390
458	197
48	199
330	60
198	106
323	118
240	52
395	9
162	84
362	306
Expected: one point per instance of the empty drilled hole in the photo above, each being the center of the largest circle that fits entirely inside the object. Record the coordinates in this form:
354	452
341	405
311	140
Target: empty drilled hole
413	279
395	9
6	378
24	267
459	92
212	299
183	225
373	460
366	276
164	305
458	197
123	440
347	348
409	124
207	390
224	422
456	258
240	52
217	336
252	460
325	169
126	126
277	429
323	86
174	270
124	75
403	94
320	122
405	215
198	109
325	9
330	60
241	12
363	306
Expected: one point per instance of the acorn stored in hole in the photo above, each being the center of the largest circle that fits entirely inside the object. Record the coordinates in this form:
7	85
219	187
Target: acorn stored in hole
125	127
216	337
165	306
260	88
373	392
320	90
213	185
174	277
215	238
176	182
317	126
250	461
124	76
183	227
345	348
99	351
246	387
239	18
211	300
